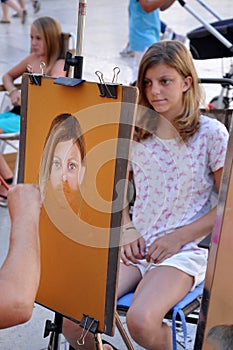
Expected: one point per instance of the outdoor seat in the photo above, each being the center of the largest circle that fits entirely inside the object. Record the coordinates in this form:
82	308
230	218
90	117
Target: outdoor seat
179	313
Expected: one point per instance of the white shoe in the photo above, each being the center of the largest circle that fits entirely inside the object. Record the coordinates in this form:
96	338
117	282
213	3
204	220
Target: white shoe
126	52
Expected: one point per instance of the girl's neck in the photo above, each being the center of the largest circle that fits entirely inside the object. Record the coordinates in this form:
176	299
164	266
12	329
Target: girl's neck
166	129
36	64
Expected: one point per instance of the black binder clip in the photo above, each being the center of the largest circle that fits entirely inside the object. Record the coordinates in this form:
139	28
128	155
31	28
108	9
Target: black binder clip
108	89
35	79
89	324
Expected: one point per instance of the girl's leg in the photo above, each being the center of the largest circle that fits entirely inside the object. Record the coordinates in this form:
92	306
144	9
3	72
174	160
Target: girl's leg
5	169
157	293
129	277
7	174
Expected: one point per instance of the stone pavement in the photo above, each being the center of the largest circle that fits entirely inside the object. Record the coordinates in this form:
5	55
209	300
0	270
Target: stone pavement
105	34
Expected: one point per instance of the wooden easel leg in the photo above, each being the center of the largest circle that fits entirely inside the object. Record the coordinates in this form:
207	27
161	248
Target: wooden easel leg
123	332
98	341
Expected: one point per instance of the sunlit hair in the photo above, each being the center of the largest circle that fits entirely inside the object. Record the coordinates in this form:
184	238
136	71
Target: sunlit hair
63	128
51	34
174	54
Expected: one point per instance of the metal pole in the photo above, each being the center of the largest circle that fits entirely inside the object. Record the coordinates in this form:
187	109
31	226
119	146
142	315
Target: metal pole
80	29
208	26
210	9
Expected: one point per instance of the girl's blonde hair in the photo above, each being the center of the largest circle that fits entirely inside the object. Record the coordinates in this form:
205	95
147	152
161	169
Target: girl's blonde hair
51	34
174	54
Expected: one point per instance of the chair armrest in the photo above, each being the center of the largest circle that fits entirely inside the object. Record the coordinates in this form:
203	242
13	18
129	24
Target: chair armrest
205	243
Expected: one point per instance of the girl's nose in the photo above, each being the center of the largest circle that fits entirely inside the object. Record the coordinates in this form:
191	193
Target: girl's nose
155	88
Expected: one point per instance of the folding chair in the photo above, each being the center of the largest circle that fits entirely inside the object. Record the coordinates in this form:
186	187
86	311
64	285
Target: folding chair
181	312
9	139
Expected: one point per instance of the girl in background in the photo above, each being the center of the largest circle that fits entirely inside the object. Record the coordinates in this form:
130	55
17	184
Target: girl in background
46	53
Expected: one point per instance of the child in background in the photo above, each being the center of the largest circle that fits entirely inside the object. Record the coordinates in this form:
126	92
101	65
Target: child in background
46	50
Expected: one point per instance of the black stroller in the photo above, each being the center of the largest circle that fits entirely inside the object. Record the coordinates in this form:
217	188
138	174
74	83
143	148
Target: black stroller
213	41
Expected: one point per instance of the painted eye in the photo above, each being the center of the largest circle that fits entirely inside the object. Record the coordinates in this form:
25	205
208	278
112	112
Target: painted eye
56	164
72	166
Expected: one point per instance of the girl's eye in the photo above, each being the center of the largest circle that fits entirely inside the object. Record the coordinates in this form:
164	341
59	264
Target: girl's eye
38	38
146	83
165	81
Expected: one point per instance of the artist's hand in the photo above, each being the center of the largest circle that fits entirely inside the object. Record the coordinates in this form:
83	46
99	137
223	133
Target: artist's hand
133	245
24	202
163	248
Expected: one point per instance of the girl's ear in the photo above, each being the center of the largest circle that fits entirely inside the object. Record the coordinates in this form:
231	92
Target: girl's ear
187	83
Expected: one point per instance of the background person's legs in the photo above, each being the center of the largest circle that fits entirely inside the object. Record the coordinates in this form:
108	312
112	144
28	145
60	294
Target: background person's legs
18	9
5	13
7	174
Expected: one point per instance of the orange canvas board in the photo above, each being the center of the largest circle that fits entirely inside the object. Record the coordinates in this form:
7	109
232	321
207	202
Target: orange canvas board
79	265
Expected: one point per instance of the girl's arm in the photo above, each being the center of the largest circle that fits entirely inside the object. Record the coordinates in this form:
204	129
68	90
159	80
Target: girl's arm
58	69
164	247
204	225
132	243
10	76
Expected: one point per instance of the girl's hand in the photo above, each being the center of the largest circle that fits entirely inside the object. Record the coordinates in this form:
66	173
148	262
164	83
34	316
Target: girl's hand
163	247
16	97
133	245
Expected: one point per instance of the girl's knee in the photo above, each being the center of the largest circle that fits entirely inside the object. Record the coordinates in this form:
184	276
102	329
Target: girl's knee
142	323
148	330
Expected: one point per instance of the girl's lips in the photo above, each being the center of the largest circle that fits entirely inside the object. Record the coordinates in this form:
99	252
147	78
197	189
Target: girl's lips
158	100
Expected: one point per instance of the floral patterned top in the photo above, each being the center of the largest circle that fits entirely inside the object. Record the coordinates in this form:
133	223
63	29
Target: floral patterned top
174	180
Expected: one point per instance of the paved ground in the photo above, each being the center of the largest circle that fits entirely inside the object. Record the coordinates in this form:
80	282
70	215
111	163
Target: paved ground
105	35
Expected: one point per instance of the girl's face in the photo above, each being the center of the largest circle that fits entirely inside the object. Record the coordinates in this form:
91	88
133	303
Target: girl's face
67	168
164	88
37	43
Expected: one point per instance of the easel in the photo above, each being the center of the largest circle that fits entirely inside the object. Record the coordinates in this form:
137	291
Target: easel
109	133
55	328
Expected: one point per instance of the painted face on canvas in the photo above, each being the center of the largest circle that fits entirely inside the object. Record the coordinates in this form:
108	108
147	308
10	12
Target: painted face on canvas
67	173
67	165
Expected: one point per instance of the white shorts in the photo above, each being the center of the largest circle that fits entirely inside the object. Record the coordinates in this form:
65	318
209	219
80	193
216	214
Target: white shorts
192	262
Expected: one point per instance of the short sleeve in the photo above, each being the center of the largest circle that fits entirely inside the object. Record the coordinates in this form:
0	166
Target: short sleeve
217	144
